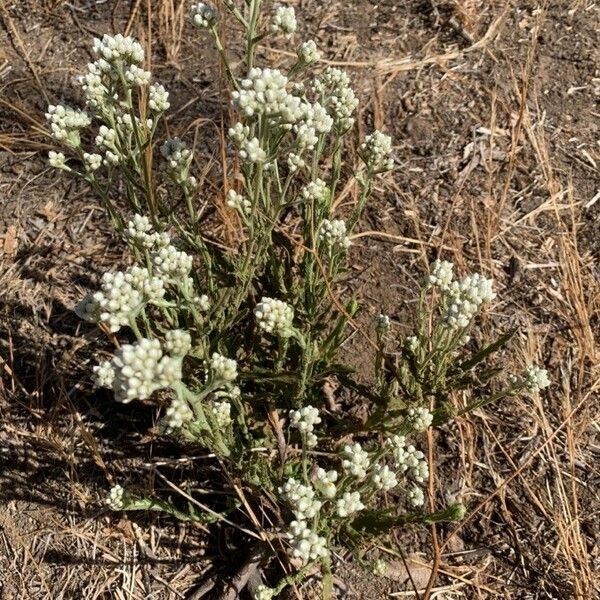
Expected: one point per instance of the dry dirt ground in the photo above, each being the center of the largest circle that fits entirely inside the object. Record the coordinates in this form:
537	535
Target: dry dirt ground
493	109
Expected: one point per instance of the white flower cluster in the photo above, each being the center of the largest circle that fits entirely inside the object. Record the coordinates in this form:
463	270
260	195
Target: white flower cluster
308	53
464	298
536	379
222	368
376	151
158	98
239	202
356	460
177	415
420	419
325	482
117	50
178	158
114	500
301	499
66	123
295	162
140	232
442	274
92	162
264	92
383	478
284	20
252	151
222	414
178	342
107	139
333	234
171	264
415	496
314	190
306	544
333	86
263	592
274	316
408	459
304	419
57	160
137	75
204	15
103	374
348	504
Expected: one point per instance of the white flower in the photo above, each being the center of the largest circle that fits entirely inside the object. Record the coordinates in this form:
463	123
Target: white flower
118	49
304	419
177	415
57	160
416	497
408	458
442	274
536	379
252	152
114	500
92	162
223	369
356	461
310	440
171	264
274	316
376	151
295	162
204	15
306	544
301	499
262	592
178	342
118	300
348	504
140	232
379	567
158	98
239	133
315	190
325	482
307	52
104	374
333	234
284	20
137	76
333	86
263	92
239	202
66	123
382	323
412	343
383	478
464	298
420	418
222	414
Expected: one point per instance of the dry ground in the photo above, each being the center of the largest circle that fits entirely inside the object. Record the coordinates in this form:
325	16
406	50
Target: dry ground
493	109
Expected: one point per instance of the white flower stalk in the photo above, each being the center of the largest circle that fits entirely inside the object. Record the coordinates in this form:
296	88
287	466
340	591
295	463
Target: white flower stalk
536	379
325	483
139	232
252	152
348	504
306	544
104	374
92	162
57	160
304	419
171	264
118	50
239	133
333	234
222	414
415	496
284	21
263	92
151	288
420	419
356	460
315	191
177	415
333	86
239	202
301	499
117	302
295	162
442	274
66	123
107	139
464	298
96	93
168	372
263	592
308	53
383	478
158	98
137	76
222	368
114	500
178	342
204	15
274	316
306	136
376	152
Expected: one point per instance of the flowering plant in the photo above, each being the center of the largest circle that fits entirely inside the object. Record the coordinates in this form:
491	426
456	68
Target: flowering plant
241	342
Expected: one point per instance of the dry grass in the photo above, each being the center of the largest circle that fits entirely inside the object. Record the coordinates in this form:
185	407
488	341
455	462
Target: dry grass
527	471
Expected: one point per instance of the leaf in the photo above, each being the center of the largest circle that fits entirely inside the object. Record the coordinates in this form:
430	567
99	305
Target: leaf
482	354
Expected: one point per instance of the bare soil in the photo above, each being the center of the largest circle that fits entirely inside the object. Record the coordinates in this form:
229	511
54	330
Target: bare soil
493	108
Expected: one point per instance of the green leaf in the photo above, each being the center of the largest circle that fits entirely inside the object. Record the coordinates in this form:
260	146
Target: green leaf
482	354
